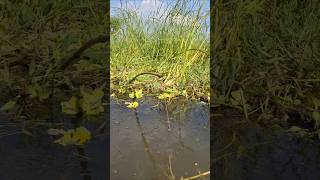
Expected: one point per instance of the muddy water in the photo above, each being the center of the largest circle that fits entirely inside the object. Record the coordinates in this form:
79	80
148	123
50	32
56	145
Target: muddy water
146	143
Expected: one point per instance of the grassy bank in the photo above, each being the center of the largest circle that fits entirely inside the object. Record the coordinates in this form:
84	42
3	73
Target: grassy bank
172	45
48	50
266	60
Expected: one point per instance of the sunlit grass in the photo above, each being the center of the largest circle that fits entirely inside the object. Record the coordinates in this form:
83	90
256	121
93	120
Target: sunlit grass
170	46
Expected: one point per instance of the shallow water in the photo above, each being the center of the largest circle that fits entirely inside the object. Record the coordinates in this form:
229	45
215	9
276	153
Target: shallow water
259	153
38	158
142	147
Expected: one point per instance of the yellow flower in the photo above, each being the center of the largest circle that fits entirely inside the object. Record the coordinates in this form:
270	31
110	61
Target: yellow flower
74	137
133	105
138	93
165	96
81	135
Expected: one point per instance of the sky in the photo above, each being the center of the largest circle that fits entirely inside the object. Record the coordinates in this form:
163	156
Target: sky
144	7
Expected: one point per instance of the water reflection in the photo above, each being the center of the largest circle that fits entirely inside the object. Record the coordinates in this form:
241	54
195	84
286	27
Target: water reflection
159	142
243	150
24	157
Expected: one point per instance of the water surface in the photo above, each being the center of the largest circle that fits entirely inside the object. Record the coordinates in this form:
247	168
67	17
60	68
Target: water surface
244	150
144	144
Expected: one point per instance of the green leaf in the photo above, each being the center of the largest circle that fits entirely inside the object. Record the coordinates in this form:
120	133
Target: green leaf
236	95
8	106
91	102
38	91
71	106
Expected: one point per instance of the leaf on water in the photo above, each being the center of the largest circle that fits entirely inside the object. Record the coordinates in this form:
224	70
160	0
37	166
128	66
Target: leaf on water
79	136
8	106
71	106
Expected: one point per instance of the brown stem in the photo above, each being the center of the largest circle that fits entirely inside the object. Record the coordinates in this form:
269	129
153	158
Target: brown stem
67	61
149	73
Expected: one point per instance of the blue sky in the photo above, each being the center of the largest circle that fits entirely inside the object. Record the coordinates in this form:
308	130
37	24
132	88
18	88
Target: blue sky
146	6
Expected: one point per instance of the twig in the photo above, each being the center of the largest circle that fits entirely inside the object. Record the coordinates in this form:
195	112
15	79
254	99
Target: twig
67	61
149	73
197	176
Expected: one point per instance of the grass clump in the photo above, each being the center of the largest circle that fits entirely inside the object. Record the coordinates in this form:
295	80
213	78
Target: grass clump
38	37
266	59
172	43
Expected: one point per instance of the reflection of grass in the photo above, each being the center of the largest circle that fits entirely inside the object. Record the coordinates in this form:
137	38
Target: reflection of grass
266	57
178	51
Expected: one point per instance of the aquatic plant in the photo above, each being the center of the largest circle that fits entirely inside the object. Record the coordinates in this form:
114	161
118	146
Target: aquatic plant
137	94
89	104
78	136
133	105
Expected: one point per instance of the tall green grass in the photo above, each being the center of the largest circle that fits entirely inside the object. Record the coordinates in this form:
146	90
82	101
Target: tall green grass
159	43
267	57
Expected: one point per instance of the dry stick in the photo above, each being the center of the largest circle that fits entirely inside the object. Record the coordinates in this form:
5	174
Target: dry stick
149	73
67	61
197	176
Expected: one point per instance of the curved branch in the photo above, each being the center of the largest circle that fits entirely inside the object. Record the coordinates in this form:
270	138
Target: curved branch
67	61
149	73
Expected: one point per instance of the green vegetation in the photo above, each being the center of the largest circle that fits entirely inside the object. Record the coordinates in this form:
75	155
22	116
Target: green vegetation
48	50
171	51
266	60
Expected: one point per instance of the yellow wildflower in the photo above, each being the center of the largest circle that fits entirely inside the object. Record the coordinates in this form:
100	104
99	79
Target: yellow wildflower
138	93
133	105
